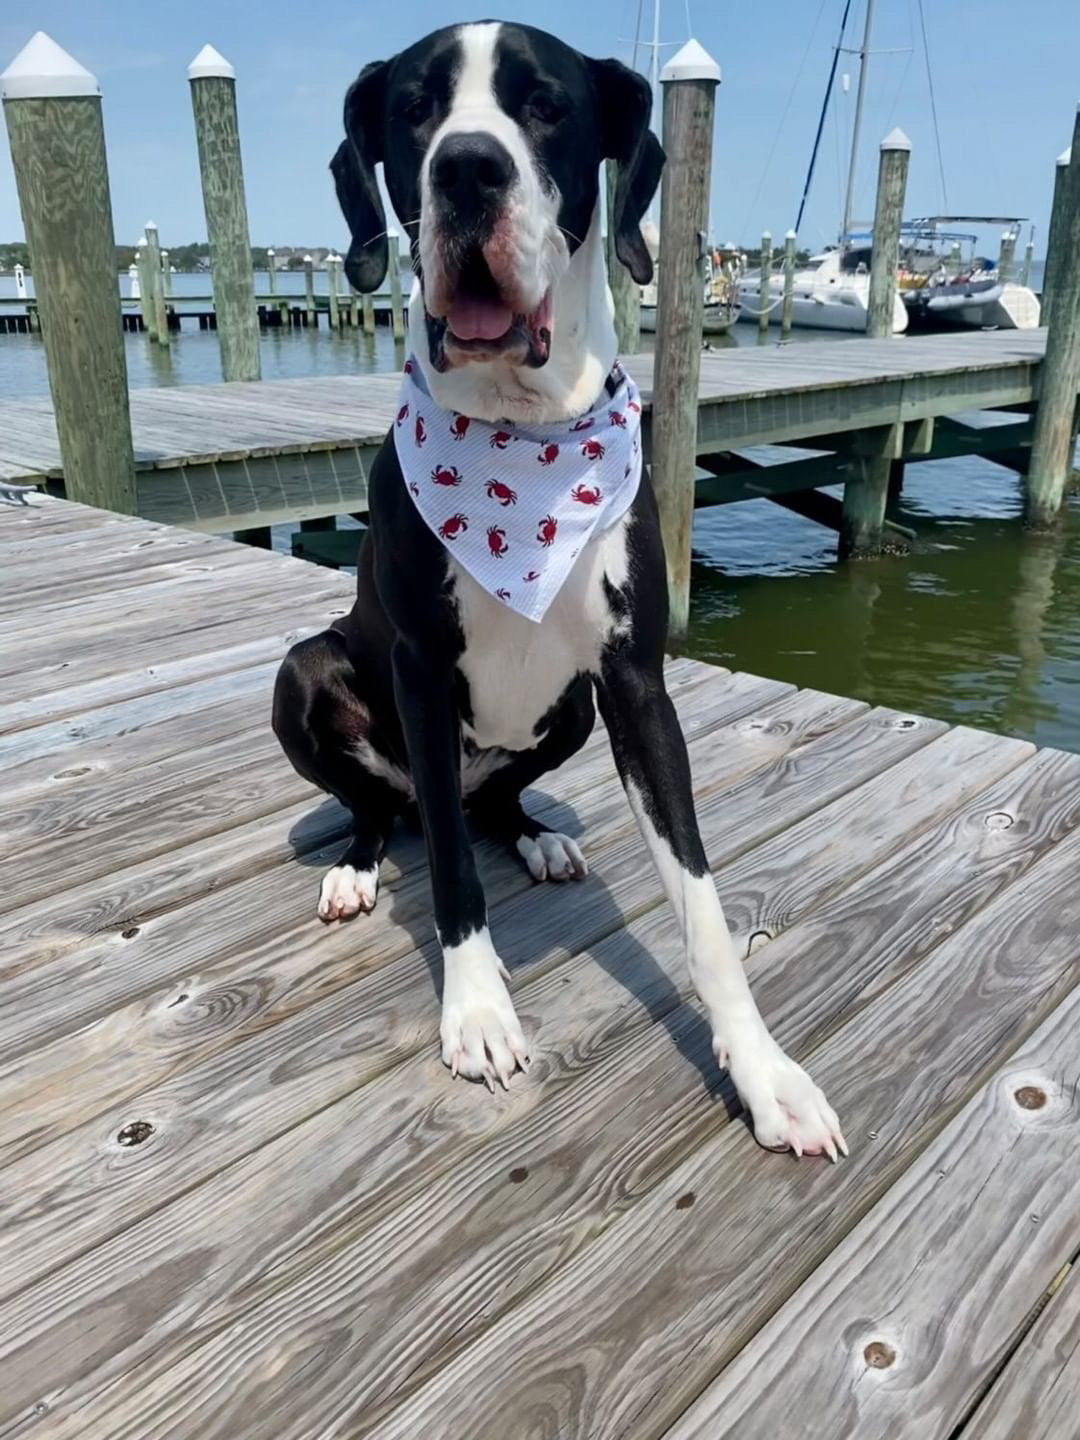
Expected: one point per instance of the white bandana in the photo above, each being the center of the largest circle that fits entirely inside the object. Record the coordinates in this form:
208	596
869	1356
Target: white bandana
515	505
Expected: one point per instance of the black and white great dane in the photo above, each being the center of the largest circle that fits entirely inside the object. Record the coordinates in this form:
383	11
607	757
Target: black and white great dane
432	693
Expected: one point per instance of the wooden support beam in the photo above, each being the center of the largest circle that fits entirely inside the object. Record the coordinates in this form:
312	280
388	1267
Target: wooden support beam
888	217
1055	236
213	99
866	493
690	81
827	510
332	548
53	111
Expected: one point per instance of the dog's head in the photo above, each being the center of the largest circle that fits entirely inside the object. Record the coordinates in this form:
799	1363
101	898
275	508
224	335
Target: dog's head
491	137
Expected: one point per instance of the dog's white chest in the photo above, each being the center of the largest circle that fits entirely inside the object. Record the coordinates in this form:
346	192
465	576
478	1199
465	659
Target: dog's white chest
517	669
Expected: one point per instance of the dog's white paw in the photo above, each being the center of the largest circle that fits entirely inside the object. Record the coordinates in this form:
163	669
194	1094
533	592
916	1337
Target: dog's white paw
552	856
788	1110
480	1034
346	891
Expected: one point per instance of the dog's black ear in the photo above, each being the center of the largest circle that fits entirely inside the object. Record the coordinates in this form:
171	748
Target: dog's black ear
353	168
624	103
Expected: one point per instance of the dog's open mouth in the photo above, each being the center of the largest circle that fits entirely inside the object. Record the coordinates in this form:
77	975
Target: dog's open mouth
481	323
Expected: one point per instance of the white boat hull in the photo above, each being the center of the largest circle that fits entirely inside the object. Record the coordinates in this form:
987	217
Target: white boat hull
718	319
818	305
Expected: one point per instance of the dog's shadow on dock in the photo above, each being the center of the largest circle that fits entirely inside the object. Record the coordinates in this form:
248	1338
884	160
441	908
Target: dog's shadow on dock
531	924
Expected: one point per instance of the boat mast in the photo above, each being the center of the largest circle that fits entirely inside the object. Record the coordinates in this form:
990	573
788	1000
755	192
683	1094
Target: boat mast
863	56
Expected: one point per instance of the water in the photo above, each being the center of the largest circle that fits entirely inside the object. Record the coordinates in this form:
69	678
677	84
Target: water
979	625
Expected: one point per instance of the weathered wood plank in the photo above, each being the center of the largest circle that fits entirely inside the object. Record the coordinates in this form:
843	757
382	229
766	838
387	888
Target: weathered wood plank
1038	1395
897	1333
708	1271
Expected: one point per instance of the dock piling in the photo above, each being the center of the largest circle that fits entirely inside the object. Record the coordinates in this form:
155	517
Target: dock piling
397	306
166	274
1025	264
625	293
271	275
309	291
213	99
367	306
888	217
689	79
763	287
146	287
53	111
157	281
1006	255
866	491
789	284
331	290
1054	435
1058	210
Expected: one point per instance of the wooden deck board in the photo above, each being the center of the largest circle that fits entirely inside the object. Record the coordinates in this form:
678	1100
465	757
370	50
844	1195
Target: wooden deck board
324	1234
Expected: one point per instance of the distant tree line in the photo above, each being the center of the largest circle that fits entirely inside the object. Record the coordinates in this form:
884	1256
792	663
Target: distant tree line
193	257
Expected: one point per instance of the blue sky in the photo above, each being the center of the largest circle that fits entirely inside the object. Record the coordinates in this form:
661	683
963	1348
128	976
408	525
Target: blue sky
1007	78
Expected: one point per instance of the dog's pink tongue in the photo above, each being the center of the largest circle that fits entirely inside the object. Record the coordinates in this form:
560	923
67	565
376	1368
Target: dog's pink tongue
479	319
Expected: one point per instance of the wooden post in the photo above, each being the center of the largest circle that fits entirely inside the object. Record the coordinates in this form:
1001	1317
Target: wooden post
271	276
309	290
763	285
213	98
867	490
166	274
954	258
888	217
625	293
53	112
397	307
1053	436
331	289
1006	254
789	284
146	288
1025	265
368	306
690	80
157	281
1058	213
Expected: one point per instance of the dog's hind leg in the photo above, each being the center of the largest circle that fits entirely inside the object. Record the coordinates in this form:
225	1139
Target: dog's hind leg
328	732
495	806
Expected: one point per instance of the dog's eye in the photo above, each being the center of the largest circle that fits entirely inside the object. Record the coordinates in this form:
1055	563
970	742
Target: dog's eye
416	110
546	108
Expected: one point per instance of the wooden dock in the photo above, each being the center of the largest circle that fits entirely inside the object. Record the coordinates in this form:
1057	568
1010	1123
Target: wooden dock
242	1199
226	458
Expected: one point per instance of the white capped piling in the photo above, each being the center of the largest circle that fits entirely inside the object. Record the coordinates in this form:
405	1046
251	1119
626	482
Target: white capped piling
1025	264
397	306
309	290
146	288
1054	435
1054	235
52	106
134	287
367	306
213	99
888	218
763	285
1006	255
689	80
625	292
157	281
271	276
166	274
789	284
330	264
20	283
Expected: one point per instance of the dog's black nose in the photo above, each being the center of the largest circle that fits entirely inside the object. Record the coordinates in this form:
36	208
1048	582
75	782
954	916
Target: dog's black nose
471	170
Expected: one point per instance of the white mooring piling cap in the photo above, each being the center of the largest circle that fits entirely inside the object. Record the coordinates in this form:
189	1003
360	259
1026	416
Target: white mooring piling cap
1065	158
692	62
896	140
210	62
41	70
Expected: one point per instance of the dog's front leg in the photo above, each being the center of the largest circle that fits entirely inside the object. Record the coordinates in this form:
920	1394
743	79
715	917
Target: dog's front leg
481	1037
788	1109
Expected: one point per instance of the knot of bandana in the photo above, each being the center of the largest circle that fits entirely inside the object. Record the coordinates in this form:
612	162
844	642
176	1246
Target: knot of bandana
515	505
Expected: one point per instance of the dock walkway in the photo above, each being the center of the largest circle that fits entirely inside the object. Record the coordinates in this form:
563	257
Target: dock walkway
242	1198
242	456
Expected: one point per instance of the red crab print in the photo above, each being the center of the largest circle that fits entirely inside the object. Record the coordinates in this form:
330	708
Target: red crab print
584	424
403	414
617	418
459	426
502	493
503	594
408	367
500	439
421	432
531	576
452	528
587	494
446	475
547	530
548	454
634	406
592	449
497	541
